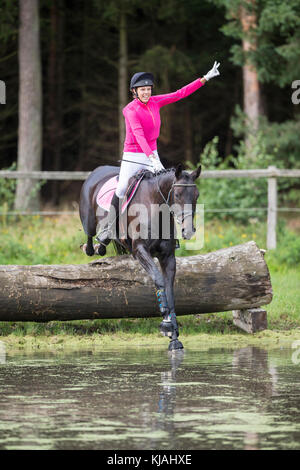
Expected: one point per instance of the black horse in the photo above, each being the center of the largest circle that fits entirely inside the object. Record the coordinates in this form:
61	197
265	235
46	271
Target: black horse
166	193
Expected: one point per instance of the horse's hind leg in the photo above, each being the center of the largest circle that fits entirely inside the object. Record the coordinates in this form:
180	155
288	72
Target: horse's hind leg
90	247
88	221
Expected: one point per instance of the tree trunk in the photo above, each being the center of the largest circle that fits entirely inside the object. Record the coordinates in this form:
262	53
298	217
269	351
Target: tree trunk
123	77
229	279
250	76
30	105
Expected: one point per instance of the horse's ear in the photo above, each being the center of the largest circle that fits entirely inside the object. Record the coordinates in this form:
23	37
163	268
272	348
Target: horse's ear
178	171
196	173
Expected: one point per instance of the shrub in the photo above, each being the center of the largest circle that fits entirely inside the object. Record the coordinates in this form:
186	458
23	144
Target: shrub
226	196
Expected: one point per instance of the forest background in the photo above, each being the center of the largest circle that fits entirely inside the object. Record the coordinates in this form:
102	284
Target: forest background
80	56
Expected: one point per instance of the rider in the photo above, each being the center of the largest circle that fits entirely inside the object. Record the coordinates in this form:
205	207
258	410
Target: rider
142	121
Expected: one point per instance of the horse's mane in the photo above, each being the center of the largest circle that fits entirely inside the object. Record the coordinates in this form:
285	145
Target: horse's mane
150	175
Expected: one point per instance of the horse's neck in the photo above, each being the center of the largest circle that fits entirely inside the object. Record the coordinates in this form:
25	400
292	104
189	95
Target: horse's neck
165	183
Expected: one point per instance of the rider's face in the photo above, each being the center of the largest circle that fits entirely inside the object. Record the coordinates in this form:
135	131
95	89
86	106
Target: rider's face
144	93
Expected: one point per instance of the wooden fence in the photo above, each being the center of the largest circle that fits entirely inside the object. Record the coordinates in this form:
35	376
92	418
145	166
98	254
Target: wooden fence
271	173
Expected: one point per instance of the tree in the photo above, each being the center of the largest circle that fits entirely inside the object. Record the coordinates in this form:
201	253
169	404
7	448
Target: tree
116	12
248	21
9	75
30	104
242	25
267	47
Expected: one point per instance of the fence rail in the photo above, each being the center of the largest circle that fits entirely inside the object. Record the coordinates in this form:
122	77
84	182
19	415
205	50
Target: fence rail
271	173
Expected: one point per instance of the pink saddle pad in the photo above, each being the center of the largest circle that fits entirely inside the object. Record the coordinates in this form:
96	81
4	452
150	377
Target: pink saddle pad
107	191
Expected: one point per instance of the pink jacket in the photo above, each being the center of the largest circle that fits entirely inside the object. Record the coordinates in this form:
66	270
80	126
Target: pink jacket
143	120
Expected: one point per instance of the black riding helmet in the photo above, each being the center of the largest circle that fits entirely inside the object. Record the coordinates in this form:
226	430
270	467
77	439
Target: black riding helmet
141	79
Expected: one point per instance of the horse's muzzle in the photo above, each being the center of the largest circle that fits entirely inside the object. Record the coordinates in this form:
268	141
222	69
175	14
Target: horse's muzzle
188	233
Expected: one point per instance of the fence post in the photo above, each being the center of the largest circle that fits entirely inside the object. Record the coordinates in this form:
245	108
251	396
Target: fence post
272	211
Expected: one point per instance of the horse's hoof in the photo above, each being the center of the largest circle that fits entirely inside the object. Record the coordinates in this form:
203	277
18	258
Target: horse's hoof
166	328
86	251
100	249
175	344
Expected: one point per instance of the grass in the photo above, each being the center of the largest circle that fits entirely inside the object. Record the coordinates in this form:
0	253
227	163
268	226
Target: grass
37	240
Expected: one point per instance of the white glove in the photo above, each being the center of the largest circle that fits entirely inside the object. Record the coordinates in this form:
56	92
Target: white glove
155	162
214	72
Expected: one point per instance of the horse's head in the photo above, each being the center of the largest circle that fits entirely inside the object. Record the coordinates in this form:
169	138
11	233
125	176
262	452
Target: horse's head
185	195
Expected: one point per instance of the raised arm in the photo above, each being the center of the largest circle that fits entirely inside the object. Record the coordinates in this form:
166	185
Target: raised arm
163	100
187	90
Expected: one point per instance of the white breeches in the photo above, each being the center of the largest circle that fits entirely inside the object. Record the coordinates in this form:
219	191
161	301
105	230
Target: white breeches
130	167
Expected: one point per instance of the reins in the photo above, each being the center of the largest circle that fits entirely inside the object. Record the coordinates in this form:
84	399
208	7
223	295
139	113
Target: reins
167	201
183	215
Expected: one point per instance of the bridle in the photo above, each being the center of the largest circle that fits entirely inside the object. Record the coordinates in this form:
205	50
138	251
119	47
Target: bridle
167	201
183	215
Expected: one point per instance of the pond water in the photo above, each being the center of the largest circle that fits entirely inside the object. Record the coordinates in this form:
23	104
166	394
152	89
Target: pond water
247	398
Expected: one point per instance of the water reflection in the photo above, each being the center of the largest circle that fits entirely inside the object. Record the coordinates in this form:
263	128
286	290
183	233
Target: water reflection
217	399
256	361
2	353
253	362
244	396
167	395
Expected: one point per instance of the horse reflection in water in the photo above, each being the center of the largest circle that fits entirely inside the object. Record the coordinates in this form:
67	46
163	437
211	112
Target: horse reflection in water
167	396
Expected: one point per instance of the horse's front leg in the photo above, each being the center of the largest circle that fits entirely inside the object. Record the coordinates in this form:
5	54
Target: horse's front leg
169	326
142	254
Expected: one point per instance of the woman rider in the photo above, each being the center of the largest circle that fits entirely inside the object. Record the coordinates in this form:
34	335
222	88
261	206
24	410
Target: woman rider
142	120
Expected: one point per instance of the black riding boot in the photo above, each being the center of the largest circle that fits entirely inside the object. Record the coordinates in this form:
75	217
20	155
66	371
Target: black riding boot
111	228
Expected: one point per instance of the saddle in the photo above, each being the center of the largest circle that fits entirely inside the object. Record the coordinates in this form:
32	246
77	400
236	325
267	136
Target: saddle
106	192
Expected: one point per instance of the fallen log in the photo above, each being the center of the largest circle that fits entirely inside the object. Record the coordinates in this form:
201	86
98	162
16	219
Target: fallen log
234	278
